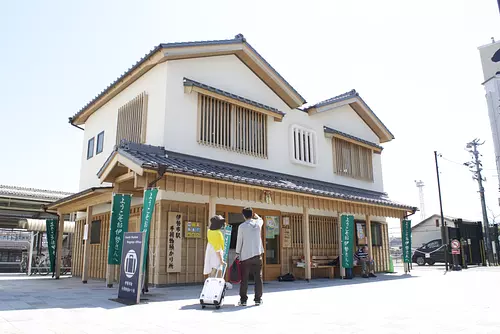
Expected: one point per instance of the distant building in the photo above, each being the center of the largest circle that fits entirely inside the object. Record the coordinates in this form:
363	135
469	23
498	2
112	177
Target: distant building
429	229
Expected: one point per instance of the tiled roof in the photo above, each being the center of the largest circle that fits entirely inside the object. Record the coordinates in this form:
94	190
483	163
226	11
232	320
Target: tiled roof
237	39
346	96
32	193
153	156
189	82
342	97
343	134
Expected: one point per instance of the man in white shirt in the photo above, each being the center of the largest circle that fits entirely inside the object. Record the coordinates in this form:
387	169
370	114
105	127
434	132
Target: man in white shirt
249	250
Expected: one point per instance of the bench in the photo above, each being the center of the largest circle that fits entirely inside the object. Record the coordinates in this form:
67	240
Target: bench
318	263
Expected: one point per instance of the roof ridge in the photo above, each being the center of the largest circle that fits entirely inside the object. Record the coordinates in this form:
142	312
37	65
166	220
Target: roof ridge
337	98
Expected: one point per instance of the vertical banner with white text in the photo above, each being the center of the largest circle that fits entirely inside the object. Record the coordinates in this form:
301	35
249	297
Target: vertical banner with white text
147	214
120	212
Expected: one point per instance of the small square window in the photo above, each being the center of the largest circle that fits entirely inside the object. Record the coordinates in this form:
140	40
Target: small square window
100	143
90	148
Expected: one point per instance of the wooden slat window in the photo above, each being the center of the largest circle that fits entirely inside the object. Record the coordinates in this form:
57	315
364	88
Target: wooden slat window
132	118
352	160
225	125
323	232
303	145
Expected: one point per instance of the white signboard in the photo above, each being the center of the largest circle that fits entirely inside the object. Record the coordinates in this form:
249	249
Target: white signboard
174	242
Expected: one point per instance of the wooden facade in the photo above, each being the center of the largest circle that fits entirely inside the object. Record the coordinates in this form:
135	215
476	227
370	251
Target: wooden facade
323	229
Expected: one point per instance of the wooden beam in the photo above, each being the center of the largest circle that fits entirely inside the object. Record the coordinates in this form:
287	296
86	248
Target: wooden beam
125	177
369	236
86	247
83	203
59	250
306	243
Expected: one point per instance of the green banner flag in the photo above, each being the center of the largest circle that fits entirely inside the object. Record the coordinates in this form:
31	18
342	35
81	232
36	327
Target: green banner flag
406	239
347	239
120	212
147	215
227	242
51	225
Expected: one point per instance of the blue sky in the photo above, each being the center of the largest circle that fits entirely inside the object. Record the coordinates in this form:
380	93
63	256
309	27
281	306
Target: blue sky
415	63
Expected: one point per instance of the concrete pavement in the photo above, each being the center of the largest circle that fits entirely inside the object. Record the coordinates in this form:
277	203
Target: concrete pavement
390	303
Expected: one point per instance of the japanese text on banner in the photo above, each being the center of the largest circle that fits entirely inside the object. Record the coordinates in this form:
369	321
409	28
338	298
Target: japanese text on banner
120	212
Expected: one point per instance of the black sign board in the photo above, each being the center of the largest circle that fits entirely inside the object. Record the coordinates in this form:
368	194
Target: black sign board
130	273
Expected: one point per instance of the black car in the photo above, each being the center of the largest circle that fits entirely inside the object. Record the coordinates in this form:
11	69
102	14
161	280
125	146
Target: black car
430	253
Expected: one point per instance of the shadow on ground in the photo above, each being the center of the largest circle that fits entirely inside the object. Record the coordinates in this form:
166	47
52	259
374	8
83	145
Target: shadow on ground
25	293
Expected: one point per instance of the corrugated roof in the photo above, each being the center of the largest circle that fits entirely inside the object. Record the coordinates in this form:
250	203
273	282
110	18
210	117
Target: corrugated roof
151	157
189	82
32	193
333	131
237	39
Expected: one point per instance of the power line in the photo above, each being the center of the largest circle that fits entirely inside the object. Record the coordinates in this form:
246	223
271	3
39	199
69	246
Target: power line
462	164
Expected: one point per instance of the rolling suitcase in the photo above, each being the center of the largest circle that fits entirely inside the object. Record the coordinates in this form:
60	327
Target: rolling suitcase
213	291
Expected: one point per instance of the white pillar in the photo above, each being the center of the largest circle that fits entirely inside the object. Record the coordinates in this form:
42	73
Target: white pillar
30	253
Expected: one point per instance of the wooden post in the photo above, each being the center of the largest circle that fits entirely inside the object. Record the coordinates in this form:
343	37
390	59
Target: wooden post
86	247
306	244
60	232
212	204
369	236
341	268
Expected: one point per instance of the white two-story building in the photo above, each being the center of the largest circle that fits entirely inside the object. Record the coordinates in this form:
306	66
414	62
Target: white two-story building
215	127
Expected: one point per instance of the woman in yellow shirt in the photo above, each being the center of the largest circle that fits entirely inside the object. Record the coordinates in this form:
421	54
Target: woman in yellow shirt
214	255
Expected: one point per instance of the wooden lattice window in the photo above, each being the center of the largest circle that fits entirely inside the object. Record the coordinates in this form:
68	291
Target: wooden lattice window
352	160
225	125
323	232
132	119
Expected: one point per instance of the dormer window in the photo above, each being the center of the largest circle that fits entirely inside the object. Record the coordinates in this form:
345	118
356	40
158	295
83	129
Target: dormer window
303	146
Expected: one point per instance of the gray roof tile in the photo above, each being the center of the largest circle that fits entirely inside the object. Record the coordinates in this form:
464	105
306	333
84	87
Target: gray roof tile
32	193
152	157
189	82
333	131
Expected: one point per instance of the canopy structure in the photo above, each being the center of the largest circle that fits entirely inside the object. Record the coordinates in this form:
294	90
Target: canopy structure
39	225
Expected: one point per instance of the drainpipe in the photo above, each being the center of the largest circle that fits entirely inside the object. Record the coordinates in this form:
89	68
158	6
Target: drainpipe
76	126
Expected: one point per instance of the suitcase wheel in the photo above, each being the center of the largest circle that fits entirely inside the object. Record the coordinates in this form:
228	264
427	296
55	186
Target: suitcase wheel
203	307
217	307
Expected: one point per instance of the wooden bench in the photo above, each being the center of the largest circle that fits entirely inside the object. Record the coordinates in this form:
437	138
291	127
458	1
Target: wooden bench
318	263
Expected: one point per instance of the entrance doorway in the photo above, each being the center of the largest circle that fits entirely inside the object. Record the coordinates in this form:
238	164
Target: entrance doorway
271	238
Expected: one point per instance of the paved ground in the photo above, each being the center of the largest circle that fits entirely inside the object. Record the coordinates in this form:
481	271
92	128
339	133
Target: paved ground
391	303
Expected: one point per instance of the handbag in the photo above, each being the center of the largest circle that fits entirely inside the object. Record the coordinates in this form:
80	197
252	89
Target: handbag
235	272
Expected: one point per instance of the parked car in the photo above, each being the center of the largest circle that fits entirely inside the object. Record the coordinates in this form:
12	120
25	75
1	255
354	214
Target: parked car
430	253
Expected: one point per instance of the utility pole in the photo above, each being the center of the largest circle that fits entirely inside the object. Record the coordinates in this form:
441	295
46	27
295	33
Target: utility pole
420	185
475	167
444	239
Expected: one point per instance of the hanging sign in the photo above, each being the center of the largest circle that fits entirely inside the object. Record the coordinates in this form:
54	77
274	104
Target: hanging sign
131	259
51	225
147	214
406	239
347	238
272	227
120	212
174	245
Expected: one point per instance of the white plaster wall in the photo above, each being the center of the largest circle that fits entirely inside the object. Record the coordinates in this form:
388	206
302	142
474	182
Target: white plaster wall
153	82
427	231
230	74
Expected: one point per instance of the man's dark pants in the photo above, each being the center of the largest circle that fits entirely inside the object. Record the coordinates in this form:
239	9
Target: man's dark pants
252	266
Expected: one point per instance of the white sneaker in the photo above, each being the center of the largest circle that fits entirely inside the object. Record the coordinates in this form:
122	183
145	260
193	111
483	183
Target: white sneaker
229	286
